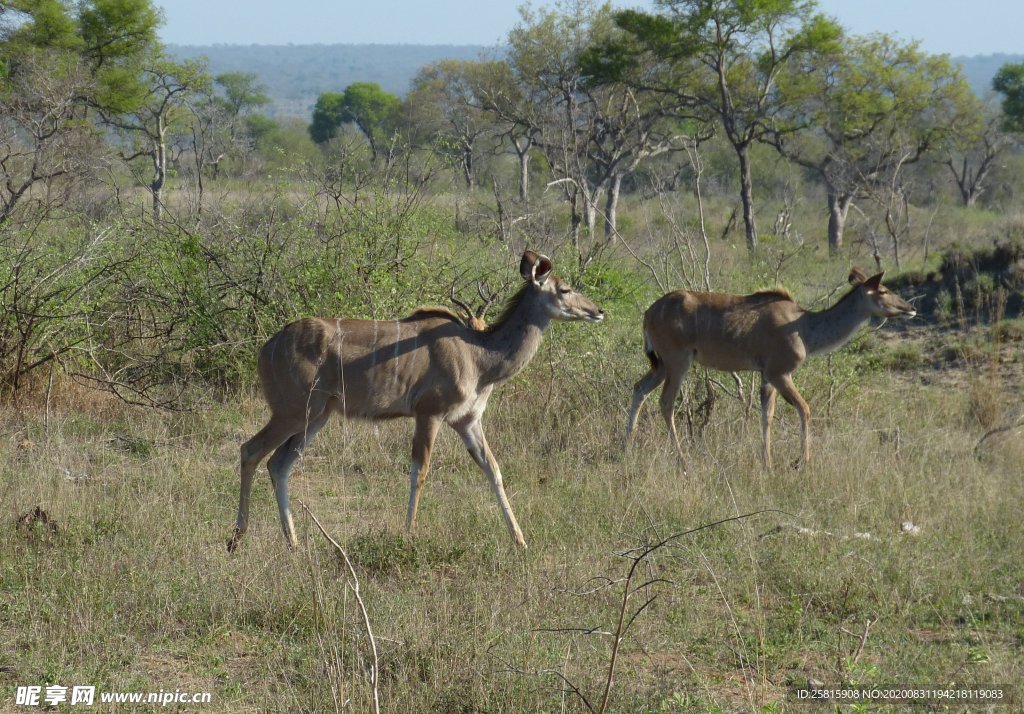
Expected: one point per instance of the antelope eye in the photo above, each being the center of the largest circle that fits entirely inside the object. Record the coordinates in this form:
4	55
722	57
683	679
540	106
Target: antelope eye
564	290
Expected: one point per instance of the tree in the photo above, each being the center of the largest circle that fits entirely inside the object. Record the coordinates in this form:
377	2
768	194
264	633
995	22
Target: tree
328	115
220	129
169	87
372	110
594	132
503	97
43	138
364	104
31	26
726	57
443	105
1009	81
973	154
280	145
242	92
118	36
42	141
868	110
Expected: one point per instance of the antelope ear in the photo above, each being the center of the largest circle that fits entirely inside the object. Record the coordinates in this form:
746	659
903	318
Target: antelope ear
527	264
874	281
542	270
535	268
856	276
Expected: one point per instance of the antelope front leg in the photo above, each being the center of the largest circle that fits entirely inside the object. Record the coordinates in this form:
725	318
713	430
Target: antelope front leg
768	395
422	445
472	434
788	390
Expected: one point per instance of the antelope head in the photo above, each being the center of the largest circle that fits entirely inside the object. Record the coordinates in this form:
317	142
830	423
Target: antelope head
881	301
560	299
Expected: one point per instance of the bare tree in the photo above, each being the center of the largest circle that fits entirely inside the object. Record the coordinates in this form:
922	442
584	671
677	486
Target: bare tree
879	105
147	125
444	105
42	139
594	132
973	155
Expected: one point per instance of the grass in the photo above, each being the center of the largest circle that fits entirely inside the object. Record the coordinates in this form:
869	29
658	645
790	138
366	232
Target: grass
134	589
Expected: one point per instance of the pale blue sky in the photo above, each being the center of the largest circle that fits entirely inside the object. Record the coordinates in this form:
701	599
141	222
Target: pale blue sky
957	27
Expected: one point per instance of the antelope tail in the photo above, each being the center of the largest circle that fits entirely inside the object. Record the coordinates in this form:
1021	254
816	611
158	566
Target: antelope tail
649	351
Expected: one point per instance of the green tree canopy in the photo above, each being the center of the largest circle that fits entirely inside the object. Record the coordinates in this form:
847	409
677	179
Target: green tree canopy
365	104
327	117
242	92
37	24
725	57
1009	82
371	109
867	110
118	37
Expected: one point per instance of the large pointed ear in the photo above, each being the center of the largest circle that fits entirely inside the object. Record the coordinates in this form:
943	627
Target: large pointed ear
857	276
526	264
874	281
535	268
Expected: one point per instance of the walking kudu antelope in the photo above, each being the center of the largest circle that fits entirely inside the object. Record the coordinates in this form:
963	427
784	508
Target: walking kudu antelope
428	366
766	332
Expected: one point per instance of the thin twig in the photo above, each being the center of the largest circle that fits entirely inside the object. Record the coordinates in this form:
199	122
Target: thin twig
639	555
362	606
863	639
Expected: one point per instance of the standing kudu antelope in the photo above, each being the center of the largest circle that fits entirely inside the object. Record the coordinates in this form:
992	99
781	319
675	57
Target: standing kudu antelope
428	366
766	332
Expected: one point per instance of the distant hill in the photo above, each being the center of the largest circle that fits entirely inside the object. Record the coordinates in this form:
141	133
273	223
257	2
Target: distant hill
980	69
295	75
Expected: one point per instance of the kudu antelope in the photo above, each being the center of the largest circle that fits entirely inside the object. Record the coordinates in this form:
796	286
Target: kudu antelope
766	332
428	366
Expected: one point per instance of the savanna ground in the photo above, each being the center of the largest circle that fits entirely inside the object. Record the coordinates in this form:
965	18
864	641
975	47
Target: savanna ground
121	580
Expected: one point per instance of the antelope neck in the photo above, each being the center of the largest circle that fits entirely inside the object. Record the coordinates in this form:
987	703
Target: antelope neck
828	330
506	350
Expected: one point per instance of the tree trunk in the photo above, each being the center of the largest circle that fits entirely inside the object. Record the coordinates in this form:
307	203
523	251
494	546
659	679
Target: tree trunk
747	196
969	197
524	176
611	208
576	220
467	167
160	170
838	209
591	211
963	182
523	152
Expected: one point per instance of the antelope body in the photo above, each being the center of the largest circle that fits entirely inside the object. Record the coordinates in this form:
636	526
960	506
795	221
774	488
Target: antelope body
766	332
428	366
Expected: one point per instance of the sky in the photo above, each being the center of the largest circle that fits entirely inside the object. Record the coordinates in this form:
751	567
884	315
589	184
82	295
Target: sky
955	27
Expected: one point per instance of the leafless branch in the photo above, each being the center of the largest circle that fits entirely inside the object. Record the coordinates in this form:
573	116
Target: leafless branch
375	671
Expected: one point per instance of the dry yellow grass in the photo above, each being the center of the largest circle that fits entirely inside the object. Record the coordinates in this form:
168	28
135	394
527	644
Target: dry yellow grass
135	590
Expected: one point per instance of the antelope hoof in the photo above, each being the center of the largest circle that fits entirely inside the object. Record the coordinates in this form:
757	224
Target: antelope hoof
233	540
